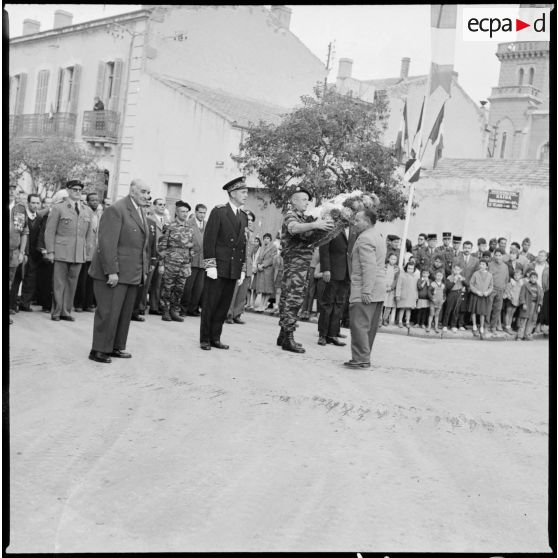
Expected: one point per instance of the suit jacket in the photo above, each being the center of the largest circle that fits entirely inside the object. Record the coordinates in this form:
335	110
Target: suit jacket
224	242
469	268
368	274
154	234
197	258
68	234
123	245
334	257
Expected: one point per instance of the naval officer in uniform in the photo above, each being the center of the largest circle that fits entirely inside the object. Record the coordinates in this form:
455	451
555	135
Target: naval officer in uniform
224	251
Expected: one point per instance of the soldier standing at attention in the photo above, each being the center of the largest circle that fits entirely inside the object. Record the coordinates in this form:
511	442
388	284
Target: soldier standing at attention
224	252
297	254
175	252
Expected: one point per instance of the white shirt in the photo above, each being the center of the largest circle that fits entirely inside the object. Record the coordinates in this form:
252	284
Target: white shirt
30	215
200	224
234	208
539	268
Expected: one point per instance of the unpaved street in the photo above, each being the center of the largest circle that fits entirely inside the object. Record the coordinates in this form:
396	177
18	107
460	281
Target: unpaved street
441	446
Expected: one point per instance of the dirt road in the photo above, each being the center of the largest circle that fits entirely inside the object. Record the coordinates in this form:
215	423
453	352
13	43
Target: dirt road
441	446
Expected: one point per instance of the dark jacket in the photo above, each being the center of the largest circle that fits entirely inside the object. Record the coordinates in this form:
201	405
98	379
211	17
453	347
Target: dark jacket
34	226
224	242
334	257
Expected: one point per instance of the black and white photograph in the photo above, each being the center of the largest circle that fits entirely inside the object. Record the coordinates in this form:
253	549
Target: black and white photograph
298	260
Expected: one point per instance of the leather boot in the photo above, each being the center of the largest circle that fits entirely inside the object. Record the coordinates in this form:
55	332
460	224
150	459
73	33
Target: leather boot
166	316
281	338
289	344
175	317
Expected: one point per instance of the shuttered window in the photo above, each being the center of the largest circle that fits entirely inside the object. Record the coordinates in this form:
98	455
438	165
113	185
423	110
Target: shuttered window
116	84
42	90
74	90
20	96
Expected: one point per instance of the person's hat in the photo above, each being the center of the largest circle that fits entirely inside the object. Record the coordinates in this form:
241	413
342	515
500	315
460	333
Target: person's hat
446	236
432	236
390	237
181	203
481	241
303	189
457	238
74	184
235	184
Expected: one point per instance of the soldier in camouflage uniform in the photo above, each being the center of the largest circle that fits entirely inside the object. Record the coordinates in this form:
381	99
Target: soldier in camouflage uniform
175	250
297	254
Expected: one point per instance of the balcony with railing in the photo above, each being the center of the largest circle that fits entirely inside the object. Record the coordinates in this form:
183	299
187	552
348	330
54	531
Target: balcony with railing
521	49
39	126
515	91
100	126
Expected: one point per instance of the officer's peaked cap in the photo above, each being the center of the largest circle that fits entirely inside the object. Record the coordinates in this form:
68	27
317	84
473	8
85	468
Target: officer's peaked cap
235	184
432	236
74	183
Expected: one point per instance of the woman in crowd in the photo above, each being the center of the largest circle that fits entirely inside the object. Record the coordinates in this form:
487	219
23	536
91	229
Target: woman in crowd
265	285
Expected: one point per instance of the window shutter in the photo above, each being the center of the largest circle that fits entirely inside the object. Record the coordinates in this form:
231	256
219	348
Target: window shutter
116	84
57	99
42	89
12	94
75	89
100	81
20	100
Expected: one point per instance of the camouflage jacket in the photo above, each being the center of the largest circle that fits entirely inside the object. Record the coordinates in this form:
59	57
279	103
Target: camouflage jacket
176	243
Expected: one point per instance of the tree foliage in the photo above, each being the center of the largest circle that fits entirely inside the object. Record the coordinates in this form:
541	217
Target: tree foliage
50	163
331	144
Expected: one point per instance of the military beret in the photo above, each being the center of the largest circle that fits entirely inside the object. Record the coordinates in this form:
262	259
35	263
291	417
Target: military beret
457	238
481	241
446	235
235	184
391	237
432	236
303	189
181	203
74	184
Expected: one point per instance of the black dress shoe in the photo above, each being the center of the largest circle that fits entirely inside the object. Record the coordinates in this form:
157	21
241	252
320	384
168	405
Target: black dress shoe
219	345
68	318
352	364
335	341
98	356
55	318
341	335
195	313
205	346
120	354
238	321
322	341
78	309
137	318
90	309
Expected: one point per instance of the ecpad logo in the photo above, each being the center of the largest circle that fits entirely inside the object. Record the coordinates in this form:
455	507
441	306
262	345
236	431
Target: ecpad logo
505	24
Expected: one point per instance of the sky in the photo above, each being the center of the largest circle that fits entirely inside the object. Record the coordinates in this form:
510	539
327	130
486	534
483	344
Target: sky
374	37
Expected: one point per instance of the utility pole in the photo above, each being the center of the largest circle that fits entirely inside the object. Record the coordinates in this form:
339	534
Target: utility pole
330	53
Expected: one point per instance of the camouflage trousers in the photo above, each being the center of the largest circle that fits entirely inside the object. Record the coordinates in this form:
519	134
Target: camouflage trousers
293	290
172	285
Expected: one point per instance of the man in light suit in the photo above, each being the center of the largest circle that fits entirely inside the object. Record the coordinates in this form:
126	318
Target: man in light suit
120	264
368	288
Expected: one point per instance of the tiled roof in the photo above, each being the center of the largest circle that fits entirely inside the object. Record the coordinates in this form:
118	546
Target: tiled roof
237	110
503	171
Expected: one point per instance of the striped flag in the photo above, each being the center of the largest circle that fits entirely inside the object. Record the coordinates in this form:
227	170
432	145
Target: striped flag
402	135
439	151
437	125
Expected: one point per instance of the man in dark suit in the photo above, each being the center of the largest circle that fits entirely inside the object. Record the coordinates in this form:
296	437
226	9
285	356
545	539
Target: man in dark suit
224	251
120	264
153	283
335	268
193	288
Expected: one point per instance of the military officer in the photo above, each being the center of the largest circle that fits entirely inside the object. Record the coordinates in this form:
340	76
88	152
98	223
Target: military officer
297	254
446	251
68	234
426	255
176	248
224	252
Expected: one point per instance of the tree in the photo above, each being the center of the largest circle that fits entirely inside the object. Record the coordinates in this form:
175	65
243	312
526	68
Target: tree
51	162
332	144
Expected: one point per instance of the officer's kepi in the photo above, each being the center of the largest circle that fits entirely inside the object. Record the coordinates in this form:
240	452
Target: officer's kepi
235	184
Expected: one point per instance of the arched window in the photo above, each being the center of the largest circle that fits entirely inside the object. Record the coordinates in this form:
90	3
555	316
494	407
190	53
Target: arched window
544	151
521	73
503	146
531	75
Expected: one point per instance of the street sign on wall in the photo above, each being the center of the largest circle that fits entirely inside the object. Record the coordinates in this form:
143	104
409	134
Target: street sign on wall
503	199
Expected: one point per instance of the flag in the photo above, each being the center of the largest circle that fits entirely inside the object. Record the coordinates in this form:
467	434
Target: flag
416	148
439	150
412	170
402	135
443	18
436	128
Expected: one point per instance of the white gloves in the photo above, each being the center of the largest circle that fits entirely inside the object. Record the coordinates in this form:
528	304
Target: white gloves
242	277
211	272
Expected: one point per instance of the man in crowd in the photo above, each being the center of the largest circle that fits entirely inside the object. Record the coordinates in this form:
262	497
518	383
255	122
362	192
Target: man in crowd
17	235
446	252
525	258
420	245
482	247
500	278
368	288
502	244
224	252
297	254
241	291
175	248
492	245
456	248
191	299
119	265
426	255
68	234
335	269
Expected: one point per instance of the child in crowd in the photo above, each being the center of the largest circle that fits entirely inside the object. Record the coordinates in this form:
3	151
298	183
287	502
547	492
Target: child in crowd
423	302
480	287
455	287
392	274
511	298
437	296
530	301
406	294
438	264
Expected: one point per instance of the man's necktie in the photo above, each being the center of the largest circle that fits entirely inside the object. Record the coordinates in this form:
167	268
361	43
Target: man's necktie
77	208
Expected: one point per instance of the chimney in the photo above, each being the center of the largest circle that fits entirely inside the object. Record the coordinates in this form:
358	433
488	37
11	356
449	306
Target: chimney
283	15
31	26
62	19
345	68
405	63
